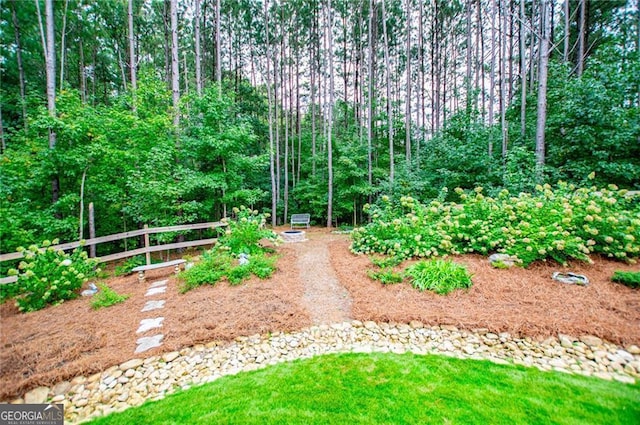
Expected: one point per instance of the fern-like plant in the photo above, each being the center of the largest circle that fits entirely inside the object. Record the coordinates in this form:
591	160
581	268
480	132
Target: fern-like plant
630	279
106	297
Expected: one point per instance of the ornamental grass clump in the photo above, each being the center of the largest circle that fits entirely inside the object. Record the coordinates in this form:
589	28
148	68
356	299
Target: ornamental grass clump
47	276
559	224
439	276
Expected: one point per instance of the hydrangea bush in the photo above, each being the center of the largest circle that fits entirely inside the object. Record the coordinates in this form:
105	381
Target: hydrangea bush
558	223
48	276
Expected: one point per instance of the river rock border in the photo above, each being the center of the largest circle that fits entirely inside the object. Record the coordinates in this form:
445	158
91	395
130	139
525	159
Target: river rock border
138	380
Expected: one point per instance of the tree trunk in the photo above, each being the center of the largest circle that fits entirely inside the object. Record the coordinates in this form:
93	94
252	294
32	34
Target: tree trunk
274	198
330	119
388	84
407	116
218	50
523	74
16	29
372	61
175	72
581	38
565	51
63	39
132	57
197	48
48	46
542	89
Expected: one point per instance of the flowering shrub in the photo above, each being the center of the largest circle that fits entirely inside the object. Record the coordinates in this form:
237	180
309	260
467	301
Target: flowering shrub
242	236
48	276
561	224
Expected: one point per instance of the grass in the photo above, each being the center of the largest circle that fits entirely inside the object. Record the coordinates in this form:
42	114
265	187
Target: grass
393	389
440	276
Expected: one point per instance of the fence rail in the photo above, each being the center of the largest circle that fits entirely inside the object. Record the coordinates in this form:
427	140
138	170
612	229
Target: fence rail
147	249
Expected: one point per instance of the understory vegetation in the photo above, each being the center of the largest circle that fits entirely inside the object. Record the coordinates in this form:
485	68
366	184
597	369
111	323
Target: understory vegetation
388	388
560	223
238	254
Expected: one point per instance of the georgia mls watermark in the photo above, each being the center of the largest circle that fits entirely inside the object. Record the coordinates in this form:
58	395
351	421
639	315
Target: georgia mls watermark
31	414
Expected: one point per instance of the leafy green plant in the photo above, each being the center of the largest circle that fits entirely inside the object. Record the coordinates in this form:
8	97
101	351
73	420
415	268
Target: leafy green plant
106	297
384	262
440	276
242	236
129	264
630	279
48	276
213	266
559	224
386	276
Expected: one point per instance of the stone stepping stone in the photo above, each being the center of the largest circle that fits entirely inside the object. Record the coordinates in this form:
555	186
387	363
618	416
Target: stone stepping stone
149	342
158	283
153	305
148	324
155	291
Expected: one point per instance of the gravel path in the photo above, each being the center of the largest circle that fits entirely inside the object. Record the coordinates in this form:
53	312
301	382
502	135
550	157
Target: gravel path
324	297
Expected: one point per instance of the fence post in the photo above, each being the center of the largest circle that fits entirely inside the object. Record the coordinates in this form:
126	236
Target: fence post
92	231
146	245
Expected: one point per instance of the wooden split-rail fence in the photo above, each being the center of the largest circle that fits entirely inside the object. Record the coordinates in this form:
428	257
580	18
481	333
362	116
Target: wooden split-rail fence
147	249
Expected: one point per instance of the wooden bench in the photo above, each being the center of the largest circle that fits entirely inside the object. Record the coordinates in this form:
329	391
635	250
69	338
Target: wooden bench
142	269
300	219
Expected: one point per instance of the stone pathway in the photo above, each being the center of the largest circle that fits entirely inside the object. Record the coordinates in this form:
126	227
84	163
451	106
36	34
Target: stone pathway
148	342
324	297
137	380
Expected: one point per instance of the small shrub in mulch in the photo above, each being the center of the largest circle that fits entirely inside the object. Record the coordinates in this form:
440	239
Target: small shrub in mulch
630	279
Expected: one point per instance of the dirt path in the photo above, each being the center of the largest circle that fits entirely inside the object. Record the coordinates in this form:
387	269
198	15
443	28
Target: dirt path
324	297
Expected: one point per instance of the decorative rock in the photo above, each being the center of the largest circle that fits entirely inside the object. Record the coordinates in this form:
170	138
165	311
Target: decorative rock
37	395
565	340
591	341
169	357
502	260
131	364
624	379
633	349
61	388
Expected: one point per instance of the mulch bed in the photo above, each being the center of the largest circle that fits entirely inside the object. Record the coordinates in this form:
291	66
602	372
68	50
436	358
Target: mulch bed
524	302
58	343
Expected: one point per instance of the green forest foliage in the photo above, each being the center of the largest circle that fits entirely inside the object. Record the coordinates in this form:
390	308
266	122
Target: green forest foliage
138	169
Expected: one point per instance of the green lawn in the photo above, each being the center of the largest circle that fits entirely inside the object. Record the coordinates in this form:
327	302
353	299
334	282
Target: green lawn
394	389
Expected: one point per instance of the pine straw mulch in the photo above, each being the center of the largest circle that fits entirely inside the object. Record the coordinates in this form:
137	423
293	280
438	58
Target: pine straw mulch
71	339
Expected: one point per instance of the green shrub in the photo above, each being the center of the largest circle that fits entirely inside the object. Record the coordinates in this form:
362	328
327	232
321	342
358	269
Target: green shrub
106	297
129	264
560	224
242	236
630	279
48	276
213	266
440	276
385	262
262	266
385	276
